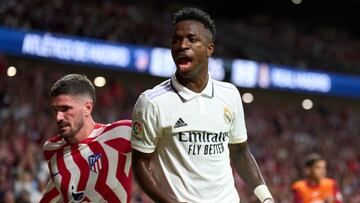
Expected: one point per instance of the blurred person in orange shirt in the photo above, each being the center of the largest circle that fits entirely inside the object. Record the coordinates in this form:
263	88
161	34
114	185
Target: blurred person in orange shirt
316	187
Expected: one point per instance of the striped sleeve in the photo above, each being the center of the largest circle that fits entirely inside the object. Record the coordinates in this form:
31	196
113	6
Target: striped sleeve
51	194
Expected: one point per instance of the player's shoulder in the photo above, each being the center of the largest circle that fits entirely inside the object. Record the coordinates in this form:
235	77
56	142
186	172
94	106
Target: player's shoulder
118	123
149	98
225	86
328	181
121	125
56	140
158	91
298	184
116	129
226	91
52	145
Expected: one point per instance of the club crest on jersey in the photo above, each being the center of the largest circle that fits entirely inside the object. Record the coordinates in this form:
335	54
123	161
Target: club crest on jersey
227	115
95	162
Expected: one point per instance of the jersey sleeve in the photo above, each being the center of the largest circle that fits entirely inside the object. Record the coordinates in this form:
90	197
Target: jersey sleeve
145	127
238	129
51	194
296	196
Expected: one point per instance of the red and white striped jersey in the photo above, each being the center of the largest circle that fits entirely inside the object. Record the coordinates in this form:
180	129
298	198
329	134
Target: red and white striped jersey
97	169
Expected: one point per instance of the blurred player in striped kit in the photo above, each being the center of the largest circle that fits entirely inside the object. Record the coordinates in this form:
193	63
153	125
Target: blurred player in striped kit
88	161
316	188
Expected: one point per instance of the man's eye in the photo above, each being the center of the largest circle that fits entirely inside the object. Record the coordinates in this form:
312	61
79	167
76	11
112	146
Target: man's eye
192	39
175	40
61	109
64	109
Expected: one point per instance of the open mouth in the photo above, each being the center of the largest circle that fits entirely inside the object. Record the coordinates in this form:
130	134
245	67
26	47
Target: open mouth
61	126
184	63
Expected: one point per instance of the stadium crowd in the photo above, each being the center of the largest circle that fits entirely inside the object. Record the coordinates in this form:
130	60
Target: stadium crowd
261	38
26	122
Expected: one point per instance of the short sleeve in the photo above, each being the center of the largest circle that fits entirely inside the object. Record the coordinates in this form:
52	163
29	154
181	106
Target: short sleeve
145	125
238	129
51	194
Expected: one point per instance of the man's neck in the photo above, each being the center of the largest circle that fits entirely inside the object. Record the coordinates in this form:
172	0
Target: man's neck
196	84
313	182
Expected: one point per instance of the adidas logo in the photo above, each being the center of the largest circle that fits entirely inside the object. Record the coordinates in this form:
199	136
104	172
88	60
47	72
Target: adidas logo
180	123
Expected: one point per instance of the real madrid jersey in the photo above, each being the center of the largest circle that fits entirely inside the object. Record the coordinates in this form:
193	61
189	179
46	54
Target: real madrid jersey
189	133
98	169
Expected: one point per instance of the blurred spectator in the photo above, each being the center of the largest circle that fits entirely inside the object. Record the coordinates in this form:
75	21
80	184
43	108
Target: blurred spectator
261	38
9	197
26	187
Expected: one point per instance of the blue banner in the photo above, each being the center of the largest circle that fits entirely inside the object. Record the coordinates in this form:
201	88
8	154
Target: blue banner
158	62
251	74
75	50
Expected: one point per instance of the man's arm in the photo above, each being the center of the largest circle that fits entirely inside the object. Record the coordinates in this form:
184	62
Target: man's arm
248	170
149	177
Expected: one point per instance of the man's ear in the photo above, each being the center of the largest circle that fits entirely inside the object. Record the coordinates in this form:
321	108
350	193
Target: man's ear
210	49
88	107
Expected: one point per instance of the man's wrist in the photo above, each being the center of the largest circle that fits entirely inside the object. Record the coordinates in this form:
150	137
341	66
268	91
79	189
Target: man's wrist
268	200
263	194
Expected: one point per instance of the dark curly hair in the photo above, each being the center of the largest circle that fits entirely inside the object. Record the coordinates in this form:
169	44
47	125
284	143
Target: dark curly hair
311	159
73	84
191	13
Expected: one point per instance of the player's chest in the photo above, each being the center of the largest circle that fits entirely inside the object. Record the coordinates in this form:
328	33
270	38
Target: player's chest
317	195
76	171
200	113
73	161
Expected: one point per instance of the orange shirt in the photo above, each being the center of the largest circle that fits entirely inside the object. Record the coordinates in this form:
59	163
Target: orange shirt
327	189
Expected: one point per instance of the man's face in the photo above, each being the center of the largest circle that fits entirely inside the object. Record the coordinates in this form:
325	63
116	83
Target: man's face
318	170
69	112
191	46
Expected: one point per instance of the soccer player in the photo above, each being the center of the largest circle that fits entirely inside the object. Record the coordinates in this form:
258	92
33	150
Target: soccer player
88	161
188	128
316	188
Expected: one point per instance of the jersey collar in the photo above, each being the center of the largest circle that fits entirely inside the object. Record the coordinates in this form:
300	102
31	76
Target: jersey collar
187	94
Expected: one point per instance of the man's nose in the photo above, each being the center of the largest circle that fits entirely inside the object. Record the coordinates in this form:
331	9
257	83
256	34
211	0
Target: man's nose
184	43
59	116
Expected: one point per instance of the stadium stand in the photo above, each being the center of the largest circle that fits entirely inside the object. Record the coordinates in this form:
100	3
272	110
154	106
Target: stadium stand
259	37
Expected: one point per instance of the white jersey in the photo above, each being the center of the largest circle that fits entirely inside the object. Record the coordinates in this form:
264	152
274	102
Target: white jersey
189	133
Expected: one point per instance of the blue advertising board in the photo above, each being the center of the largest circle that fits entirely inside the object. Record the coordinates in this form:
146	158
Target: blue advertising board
158	62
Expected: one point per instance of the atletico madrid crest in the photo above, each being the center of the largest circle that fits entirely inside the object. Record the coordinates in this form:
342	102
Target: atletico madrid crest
95	162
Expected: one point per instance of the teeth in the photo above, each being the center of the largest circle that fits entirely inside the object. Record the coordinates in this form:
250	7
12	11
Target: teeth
185	65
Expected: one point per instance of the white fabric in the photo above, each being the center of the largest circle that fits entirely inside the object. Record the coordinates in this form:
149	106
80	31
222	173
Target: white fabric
262	192
189	133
